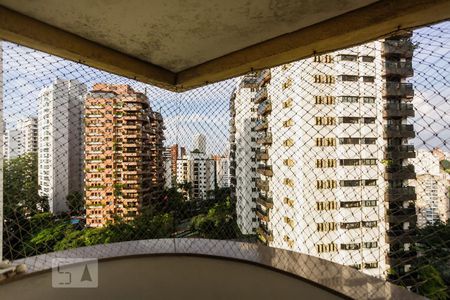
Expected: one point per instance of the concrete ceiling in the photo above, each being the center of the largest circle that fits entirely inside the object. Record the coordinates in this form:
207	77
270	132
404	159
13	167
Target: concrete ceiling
181	44
180	34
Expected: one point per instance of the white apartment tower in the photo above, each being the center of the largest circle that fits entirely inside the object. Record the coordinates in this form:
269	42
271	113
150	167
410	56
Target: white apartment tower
243	152
332	137
21	139
223	172
432	203
28	128
11	143
60	130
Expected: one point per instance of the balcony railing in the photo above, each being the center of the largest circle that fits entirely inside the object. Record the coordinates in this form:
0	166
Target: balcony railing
263	77
263	185
261	124
398	110
263	215
265	200
265	233
261	95
400	152
264	139
398	89
265	170
402	69
400	194
262	155
264	108
400	131
400	48
400	172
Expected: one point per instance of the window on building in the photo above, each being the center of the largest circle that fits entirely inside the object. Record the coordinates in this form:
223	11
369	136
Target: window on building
326	226
325	142
368	141
329	100
370	245
324	79
372	265
321	248
326	184
370	182
289	162
348	78
350	225
323	58
349	99
350	183
287	103
349	120
325	163
350	204
348	57
349	141
326	205
369	99
288	143
369	224
325	121
368	79
287	84
369	120
367	58
288	201
288	123
369	203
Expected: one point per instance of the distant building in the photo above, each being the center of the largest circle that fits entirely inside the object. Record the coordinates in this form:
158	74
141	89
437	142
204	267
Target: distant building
200	143
60	150
432	203
124	154
28	128
11	143
22	139
223	172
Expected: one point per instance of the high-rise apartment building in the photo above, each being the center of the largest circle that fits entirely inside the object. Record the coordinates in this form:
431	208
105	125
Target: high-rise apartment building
124	166
222	169
200	143
60	148
331	140
198	170
432	203
28	128
21	139
11	143
174	155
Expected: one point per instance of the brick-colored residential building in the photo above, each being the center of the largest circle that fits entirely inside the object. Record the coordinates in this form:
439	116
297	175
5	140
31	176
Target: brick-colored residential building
123	160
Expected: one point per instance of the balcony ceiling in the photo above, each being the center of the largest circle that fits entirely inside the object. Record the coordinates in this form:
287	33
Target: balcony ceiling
179	44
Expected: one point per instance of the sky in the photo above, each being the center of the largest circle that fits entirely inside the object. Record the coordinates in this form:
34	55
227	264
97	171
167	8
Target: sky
206	110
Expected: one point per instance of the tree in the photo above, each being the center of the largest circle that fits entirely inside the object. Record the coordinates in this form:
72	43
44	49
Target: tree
431	284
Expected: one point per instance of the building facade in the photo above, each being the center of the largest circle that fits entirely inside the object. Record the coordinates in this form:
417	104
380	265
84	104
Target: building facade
331	134
124	164
60	146
200	142
243	152
431	185
222	172
11	143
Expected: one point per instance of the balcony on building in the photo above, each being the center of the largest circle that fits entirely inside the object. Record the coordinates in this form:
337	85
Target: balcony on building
263	77
401	215
263	215
265	200
263	185
265	108
398	89
264	139
233	129
400	194
398	172
248	82
261	124
400	235
400	131
265	170
392	110
264	233
398	68
262	155
399	48
261	95
400	257
400	152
